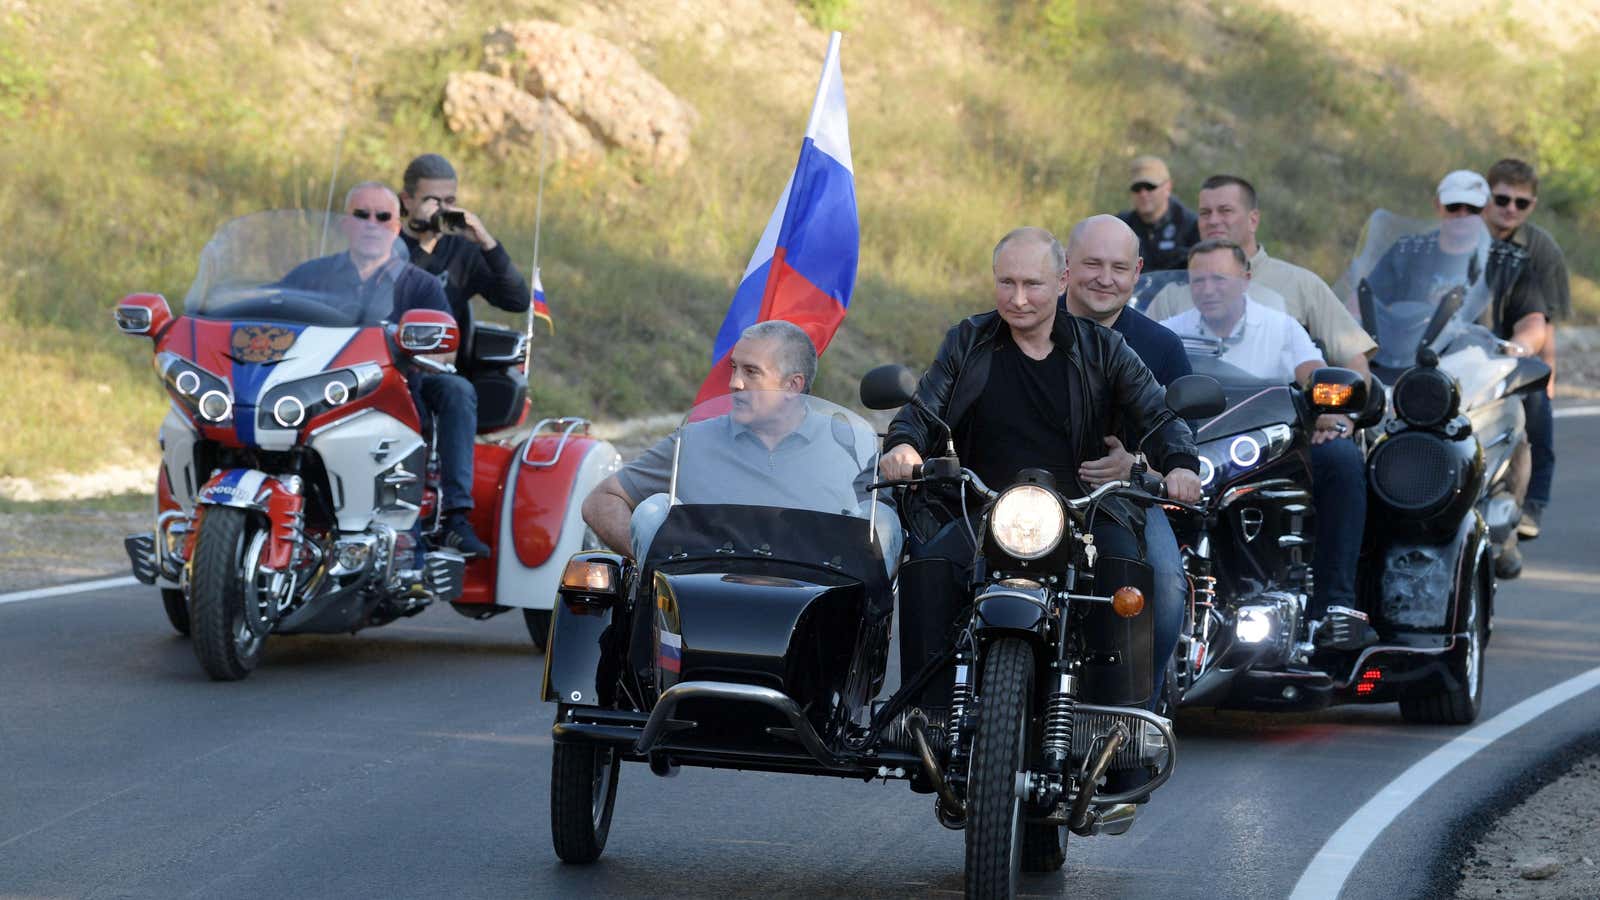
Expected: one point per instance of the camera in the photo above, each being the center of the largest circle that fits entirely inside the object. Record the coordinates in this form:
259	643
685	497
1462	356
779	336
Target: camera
447	221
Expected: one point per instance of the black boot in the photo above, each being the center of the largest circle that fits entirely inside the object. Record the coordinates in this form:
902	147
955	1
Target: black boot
456	533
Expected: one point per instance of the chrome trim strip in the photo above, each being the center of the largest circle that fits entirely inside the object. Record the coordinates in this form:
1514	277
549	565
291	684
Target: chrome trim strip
746	693
571	423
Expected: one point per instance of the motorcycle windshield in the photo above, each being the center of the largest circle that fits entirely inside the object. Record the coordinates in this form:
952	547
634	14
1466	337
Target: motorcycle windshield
298	267
1405	270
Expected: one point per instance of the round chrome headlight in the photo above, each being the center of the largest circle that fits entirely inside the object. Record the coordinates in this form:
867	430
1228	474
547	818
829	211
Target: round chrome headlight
1027	521
289	412
215	406
335	392
187	383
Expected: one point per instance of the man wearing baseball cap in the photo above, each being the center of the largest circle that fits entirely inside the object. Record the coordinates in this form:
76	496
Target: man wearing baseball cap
1418	266
1165	228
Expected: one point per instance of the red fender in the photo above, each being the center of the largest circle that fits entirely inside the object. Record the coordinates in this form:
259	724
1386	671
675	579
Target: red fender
491	464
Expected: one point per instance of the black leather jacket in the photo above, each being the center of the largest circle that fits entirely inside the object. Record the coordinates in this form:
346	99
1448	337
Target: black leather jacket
1112	392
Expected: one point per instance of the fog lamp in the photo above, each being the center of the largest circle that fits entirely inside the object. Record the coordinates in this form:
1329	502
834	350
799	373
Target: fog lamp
1253	627
215	406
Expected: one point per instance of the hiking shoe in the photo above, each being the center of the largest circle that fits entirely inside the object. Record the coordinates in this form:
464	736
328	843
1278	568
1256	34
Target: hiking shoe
456	533
1508	564
1528	526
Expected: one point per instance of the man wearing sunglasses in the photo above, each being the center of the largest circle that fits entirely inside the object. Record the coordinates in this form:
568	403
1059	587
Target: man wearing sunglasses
374	269
1165	228
1460	252
1514	193
453	244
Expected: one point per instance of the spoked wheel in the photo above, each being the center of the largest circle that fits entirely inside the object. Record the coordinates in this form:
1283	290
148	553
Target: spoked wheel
538	622
177	608
995	825
227	590
1459	703
583	791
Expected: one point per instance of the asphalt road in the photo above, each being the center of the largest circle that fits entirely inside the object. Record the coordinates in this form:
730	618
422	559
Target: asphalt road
413	761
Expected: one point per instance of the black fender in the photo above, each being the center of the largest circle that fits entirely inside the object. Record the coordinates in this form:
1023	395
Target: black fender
583	656
1009	612
1423	585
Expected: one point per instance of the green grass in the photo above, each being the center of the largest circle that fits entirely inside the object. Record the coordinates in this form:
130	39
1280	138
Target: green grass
129	131
114	503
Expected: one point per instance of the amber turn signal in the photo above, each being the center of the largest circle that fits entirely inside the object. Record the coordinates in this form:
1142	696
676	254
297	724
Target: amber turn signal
588	576
1128	601
1331	395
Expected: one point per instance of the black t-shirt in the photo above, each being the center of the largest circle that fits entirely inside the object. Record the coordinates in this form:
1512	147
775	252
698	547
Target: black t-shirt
1020	421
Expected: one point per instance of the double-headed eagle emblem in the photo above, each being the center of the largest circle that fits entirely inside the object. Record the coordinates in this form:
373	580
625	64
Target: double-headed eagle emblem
261	343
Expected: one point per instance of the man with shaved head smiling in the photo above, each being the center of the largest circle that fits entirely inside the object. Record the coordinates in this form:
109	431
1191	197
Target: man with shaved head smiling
1103	265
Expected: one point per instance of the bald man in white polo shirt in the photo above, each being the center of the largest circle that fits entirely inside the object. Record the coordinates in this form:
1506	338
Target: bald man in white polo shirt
1265	342
1272	346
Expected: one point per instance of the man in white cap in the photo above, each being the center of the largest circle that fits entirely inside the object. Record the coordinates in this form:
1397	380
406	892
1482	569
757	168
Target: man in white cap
1421	267
1165	228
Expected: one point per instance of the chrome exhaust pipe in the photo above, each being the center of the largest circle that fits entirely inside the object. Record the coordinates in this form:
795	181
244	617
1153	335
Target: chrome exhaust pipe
917	724
1080	805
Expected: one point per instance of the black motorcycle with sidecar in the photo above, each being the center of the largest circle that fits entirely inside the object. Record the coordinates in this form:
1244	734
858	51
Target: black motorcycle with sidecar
754	633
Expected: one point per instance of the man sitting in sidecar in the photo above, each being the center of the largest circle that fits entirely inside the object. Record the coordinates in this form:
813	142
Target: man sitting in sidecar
769	444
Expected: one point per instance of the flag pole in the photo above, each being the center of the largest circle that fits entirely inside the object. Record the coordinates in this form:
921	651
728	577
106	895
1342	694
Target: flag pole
538	218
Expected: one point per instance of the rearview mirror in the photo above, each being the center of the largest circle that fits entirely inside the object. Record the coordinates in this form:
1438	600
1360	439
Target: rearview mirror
146	314
427	331
1196	397
888	387
1448	306
1336	390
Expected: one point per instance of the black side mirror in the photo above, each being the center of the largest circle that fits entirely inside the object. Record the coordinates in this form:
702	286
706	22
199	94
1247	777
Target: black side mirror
888	387
1442	314
1196	397
1336	390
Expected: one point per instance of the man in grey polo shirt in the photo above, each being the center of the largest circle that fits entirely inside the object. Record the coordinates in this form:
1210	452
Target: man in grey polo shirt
773	447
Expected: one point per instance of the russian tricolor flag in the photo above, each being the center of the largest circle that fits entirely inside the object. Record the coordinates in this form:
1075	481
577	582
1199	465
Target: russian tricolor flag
804	268
541	310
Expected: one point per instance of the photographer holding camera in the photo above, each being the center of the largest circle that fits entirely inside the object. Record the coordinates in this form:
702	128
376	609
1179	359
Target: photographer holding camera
451	243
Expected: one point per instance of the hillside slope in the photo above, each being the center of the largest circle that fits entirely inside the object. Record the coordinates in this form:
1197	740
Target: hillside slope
130	130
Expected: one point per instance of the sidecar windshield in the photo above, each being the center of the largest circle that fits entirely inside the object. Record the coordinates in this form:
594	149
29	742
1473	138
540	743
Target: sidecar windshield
300	267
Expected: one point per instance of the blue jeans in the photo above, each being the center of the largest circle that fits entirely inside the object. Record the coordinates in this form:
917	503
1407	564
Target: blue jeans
1161	553
1339	487
1542	441
454	406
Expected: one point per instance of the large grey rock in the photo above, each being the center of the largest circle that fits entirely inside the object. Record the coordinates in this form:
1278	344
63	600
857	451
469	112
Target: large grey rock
599	84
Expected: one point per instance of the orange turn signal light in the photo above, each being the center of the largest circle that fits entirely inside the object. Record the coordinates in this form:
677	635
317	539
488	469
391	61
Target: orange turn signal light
1127	601
589	576
1331	395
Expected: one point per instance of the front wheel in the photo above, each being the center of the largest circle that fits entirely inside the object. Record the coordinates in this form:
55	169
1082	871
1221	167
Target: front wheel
225	587
995	826
538	622
583	791
1459	703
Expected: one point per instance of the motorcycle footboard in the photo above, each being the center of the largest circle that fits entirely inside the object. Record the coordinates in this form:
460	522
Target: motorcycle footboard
142	556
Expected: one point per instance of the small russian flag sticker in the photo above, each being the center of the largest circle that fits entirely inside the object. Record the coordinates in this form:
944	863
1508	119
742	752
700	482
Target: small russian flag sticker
670	656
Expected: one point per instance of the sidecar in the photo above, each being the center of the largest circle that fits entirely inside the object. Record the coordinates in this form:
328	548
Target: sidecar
753	633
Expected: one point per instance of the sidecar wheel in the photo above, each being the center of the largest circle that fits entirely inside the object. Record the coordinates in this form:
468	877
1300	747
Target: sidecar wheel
995	825
177	608
1459	704
538	622
224	587
583	791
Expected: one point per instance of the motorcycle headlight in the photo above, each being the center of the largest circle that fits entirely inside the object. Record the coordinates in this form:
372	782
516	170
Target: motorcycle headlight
201	393
292	404
1027	521
1224	459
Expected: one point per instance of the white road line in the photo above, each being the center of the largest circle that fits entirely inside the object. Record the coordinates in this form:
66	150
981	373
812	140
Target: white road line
81	587
1328	871
1574	411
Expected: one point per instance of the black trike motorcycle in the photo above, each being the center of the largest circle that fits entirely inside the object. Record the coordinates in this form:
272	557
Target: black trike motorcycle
753	632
